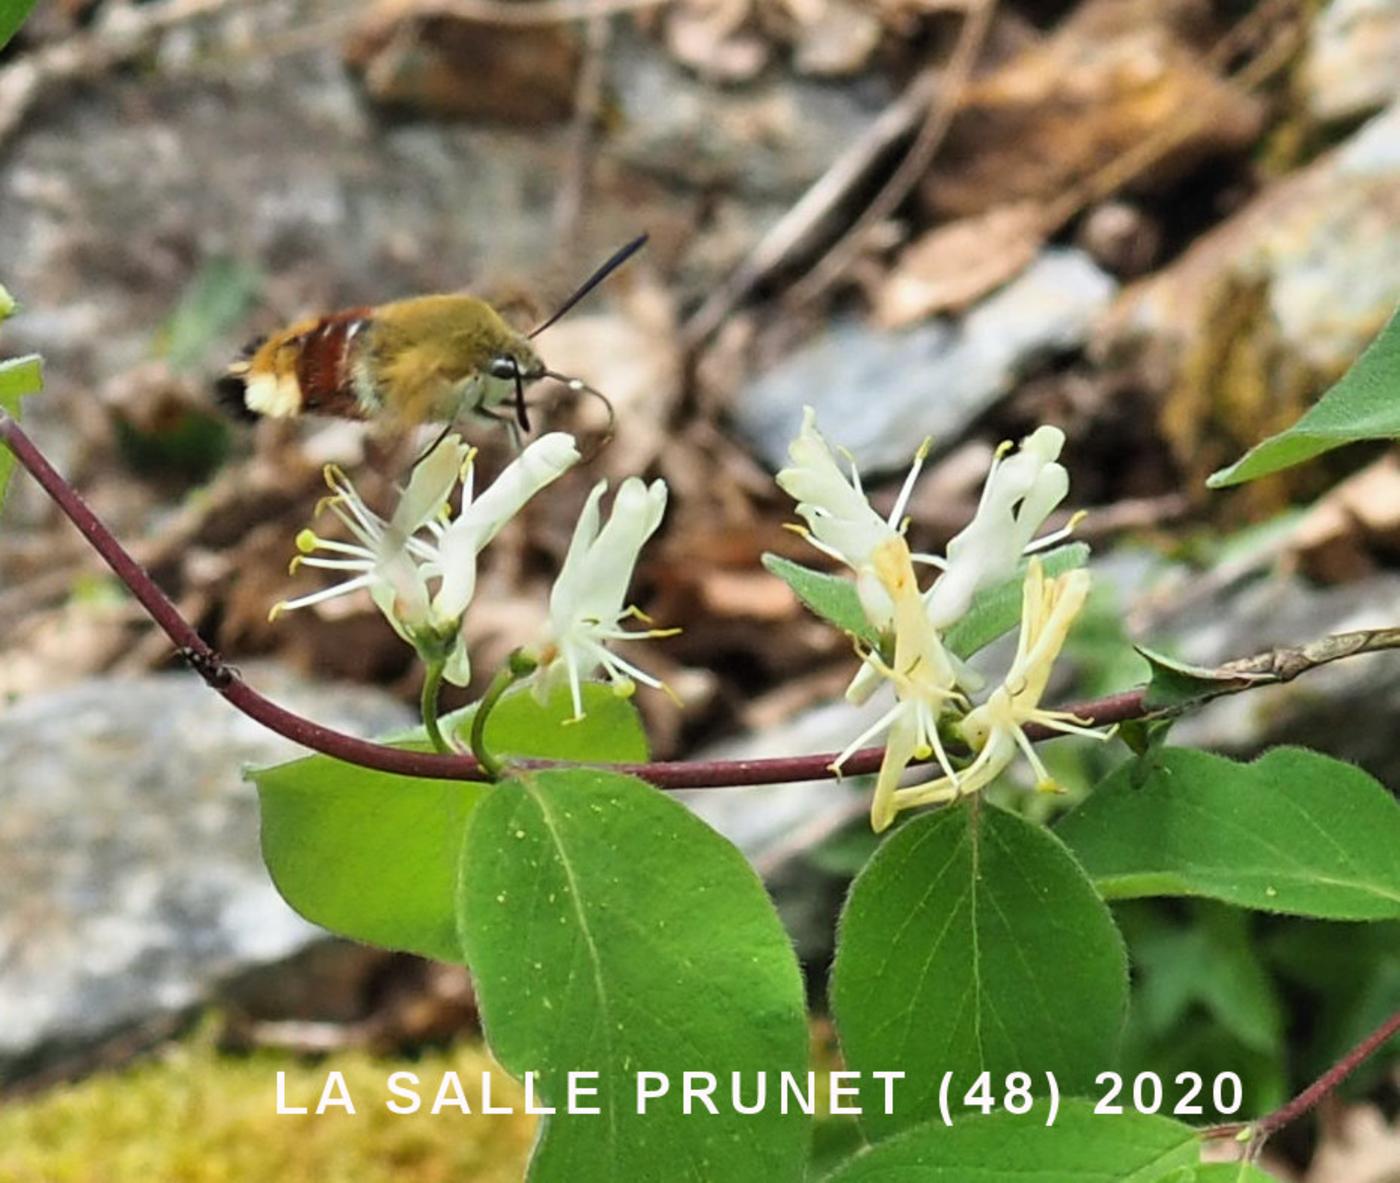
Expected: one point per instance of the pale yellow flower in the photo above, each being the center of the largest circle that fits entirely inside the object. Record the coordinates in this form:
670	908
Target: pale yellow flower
995	729
924	679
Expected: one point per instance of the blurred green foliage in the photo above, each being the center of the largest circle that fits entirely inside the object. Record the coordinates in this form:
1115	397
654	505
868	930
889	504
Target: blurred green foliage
190	442
19	376
12	15
191	446
213	303
1274	999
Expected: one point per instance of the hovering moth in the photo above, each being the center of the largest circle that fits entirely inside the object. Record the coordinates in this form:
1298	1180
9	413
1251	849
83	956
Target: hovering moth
428	359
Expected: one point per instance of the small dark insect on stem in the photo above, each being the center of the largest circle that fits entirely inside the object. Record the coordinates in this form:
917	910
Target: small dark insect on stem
209	665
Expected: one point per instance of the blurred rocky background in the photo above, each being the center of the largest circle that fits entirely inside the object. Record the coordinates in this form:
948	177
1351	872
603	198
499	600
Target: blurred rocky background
1163	226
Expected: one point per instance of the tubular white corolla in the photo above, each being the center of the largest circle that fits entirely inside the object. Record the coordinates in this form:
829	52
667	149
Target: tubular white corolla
586	605
1022	490
420	566
840	520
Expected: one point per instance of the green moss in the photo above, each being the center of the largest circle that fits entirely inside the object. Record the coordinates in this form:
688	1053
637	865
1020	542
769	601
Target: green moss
196	1116
1238	382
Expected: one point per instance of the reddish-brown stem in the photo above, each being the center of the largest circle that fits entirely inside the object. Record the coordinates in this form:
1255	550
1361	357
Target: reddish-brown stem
693	774
665	774
1315	1092
680	774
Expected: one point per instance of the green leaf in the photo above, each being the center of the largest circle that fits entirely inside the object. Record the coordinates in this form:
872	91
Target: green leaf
12	15
19	376
1228	1172
1144	736
1081	1147
375	857
1363	405
997	610
1295	831
1175	686
994	611
7	304
829	596
973	941
611	729
609	930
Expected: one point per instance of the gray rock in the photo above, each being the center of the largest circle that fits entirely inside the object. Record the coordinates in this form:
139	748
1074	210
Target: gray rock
773	824
1336	266
765	141
879	393
1350	68
115	193
1324	243
762	821
132	879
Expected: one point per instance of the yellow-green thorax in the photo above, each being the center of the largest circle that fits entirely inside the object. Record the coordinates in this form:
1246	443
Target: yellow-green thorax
432	358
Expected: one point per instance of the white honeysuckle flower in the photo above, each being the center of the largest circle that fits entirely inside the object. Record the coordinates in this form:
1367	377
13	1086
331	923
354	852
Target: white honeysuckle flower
482	518
924	679
1022	490
840	520
995	729
587	603
400	560
384	553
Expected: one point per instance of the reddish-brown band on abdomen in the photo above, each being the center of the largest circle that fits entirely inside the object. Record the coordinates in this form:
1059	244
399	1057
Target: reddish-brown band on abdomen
325	355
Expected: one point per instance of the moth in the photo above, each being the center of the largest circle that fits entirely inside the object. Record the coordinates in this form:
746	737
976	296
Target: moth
428	359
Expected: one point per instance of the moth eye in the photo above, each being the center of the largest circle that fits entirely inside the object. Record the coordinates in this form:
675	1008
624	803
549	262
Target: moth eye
502	367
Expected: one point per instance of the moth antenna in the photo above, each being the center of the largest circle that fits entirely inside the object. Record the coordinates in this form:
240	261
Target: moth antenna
617	260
